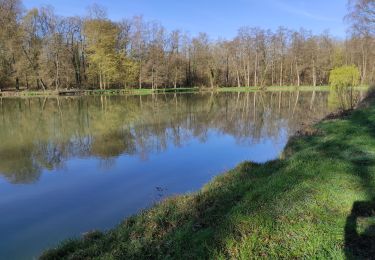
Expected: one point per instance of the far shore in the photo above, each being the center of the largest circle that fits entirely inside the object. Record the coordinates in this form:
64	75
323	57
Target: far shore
147	91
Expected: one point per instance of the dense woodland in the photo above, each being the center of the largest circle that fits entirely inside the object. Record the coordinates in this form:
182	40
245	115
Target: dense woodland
40	50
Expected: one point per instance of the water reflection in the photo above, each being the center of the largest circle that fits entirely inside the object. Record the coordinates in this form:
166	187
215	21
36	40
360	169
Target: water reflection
69	165
42	133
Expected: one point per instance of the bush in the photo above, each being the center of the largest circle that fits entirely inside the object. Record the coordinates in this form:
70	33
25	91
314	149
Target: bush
345	76
343	79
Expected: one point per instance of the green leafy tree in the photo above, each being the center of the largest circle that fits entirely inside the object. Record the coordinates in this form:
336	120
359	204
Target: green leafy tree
101	36
342	80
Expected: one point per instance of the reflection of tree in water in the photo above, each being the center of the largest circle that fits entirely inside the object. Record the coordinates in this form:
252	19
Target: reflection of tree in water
42	133
344	99
18	165
113	144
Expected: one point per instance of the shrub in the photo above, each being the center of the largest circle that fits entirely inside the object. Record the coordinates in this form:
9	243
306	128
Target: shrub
345	76
343	79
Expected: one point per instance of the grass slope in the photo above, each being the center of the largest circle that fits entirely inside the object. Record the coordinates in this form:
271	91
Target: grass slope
316	202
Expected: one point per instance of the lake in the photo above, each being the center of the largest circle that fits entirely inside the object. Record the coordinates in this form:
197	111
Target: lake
74	164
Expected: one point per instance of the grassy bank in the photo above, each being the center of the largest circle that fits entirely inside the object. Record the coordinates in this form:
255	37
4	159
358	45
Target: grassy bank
317	201
283	88
30	93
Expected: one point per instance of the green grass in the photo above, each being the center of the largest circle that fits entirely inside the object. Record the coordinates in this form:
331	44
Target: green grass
137	91
315	202
143	91
108	92
283	88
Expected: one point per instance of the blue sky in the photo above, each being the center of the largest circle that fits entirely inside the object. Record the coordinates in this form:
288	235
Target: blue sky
218	18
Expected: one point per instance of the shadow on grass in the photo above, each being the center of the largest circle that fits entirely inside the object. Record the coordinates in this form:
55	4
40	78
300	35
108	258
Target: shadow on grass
359	229
360	245
360	224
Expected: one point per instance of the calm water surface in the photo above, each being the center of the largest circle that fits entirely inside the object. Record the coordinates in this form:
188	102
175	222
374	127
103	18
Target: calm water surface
70	165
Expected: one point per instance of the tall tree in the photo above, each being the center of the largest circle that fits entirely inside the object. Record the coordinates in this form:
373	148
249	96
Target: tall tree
362	15
10	14
101	39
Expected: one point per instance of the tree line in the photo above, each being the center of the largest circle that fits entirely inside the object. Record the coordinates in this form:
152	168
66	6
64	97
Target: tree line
41	50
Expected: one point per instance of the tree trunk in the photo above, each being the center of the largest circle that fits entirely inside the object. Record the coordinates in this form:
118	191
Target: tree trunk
272	73
247	73
17	84
238	78
298	76
100	80
43	85
27	82
140	75
175	79
281	73
211	76
57	71
227	73
152	77
364	65
291	80
314	74
256	70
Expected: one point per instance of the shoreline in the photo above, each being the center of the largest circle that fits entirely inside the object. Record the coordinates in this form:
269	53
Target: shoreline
78	92
291	207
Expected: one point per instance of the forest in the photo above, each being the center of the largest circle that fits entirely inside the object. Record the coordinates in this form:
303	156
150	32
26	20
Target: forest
40	50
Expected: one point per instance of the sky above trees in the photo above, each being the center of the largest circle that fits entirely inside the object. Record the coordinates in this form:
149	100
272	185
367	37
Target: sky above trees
218	18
